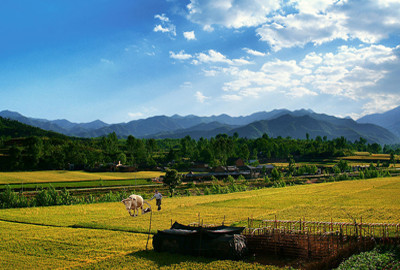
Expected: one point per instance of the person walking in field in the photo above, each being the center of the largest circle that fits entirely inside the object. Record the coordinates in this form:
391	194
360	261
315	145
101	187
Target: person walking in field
158	197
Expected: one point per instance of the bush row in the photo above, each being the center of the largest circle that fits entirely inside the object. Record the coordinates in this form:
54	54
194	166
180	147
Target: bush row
50	196
380	257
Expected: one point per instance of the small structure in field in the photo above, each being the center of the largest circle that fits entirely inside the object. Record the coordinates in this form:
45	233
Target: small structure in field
221	242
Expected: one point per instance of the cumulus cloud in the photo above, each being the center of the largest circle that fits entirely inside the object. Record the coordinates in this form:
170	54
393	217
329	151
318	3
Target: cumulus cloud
200	97
162	17
379	103
189	35
299	29
231	13
180	55
209	57
315	21
352	73
319	22
300	92
165	25
254	52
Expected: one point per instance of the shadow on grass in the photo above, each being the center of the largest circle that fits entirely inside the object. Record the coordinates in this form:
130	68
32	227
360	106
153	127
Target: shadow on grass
167	259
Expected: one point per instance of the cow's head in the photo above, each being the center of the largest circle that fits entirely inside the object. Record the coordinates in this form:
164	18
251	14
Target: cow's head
127	203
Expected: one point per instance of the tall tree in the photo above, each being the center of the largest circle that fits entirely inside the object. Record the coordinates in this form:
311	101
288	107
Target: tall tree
172	179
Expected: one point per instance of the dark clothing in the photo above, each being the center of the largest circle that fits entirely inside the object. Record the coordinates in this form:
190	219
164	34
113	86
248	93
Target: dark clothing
158	203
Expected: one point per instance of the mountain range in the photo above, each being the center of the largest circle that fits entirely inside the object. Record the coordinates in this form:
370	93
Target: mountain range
382	128
389	120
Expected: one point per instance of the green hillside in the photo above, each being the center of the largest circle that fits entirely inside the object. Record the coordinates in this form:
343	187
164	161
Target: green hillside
15	129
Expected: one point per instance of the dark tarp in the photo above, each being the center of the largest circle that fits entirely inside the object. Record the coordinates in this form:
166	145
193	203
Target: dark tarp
222	241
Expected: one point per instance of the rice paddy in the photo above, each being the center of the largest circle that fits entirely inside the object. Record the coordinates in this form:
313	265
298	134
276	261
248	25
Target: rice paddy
104	236
65	176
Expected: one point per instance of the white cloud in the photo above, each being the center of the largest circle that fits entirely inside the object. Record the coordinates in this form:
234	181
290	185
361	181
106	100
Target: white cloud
313	6
300	92
214	57
160	28
299	29
352	73
135	115
211	72
253	52
180	55
106	61
311	60
232	97
200	97
379	103
320	22
162	17
231	13
316	21
166	26
189	35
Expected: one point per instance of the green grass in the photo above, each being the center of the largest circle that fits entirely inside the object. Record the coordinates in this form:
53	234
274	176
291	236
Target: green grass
81	184
104	236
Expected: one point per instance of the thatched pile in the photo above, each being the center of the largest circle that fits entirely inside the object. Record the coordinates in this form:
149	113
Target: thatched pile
221	242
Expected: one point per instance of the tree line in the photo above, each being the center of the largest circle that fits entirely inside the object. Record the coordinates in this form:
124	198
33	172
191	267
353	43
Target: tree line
49	153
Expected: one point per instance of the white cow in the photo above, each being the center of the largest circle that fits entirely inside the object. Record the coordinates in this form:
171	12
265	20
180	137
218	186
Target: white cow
134	202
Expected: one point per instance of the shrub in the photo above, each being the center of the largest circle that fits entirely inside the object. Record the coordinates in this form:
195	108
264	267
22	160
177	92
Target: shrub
229	179
266	180
66	198
279	184
378	258
241	178
8	198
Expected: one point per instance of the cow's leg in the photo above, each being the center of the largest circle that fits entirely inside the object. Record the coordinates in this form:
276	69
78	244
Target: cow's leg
130	213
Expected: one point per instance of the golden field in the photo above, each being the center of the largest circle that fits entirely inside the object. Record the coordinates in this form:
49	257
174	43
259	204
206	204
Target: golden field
103	235
65	176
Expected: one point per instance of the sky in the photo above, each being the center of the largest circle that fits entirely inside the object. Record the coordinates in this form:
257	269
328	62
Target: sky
123	60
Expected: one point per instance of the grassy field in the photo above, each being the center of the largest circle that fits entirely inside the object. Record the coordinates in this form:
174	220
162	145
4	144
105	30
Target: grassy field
79	184
66	176
104	236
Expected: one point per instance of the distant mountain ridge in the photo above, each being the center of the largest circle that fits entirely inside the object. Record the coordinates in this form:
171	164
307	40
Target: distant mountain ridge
282	122
389	120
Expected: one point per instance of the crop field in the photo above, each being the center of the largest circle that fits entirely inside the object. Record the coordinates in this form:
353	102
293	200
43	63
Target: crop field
80	184
65	176
104	236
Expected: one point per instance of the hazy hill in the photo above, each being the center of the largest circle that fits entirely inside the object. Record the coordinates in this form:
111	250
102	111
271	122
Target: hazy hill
16	129
275	123
60	126
294	125
298	126
389	120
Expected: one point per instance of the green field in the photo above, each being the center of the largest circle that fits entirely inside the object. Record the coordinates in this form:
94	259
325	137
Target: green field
104	236
80	184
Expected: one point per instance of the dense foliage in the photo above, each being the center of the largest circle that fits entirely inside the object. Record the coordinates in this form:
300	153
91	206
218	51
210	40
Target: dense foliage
43	152
380	257
50	196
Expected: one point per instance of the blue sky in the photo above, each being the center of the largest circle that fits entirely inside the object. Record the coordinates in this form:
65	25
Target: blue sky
121	60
